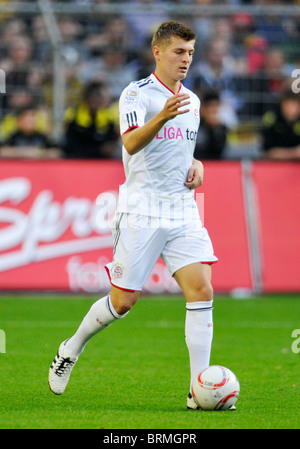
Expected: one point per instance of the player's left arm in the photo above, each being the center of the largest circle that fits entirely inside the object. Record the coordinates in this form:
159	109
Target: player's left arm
195	175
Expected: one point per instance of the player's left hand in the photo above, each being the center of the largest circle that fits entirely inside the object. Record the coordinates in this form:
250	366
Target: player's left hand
195	175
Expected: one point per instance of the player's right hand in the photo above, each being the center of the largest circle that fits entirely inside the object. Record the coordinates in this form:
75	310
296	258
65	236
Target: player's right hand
175	106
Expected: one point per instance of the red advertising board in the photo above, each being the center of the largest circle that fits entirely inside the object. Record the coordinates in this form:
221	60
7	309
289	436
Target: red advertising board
50	214
278	193
55	234
225	219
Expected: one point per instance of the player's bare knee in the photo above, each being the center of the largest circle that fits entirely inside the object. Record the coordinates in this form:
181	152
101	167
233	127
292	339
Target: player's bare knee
206	292
123	307
123	301
201	292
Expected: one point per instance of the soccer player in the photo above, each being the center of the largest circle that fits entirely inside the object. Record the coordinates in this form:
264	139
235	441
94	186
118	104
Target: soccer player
156	214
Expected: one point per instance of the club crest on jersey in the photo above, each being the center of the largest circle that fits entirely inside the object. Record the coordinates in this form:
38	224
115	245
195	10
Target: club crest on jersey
118	271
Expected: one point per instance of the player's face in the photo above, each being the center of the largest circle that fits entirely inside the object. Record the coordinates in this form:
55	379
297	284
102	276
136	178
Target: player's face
174	59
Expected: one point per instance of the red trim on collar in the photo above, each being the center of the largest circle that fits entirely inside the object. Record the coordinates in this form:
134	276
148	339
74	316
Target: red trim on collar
167	86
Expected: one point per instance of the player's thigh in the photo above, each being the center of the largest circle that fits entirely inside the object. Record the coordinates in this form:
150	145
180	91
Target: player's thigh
188	255
195	281
137	247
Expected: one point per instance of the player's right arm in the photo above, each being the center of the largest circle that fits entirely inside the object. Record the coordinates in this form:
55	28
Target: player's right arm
137	138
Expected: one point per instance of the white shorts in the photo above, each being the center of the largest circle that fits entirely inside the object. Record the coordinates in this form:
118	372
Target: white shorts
139	241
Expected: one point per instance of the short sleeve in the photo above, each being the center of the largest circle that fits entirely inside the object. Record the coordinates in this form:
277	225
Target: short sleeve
133	107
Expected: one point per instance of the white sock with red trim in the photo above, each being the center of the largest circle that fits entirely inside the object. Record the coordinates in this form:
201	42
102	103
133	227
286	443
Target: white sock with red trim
100	315
198	335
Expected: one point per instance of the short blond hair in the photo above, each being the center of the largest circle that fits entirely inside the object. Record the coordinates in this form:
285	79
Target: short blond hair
171	28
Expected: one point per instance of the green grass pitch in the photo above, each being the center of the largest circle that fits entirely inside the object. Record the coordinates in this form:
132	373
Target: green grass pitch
135	374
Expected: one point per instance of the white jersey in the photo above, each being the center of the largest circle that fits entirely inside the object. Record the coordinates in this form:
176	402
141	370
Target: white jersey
155	176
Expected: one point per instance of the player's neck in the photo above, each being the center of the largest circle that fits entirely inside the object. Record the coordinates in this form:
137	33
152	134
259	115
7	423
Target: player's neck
171	84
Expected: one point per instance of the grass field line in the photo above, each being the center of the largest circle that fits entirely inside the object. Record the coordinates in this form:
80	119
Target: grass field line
237	325
37	324
136	374
168	324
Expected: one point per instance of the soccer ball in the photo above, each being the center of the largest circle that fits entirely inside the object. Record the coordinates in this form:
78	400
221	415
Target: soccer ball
215	388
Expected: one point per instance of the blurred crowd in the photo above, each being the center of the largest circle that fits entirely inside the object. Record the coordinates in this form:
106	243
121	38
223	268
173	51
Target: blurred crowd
243	71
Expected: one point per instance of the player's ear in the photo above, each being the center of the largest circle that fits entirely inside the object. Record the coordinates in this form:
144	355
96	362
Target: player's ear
156	52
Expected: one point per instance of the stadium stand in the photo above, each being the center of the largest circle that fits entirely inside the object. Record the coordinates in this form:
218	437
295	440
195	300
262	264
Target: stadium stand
50	52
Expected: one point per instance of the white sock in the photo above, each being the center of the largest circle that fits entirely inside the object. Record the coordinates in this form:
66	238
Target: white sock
198	335
100	315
